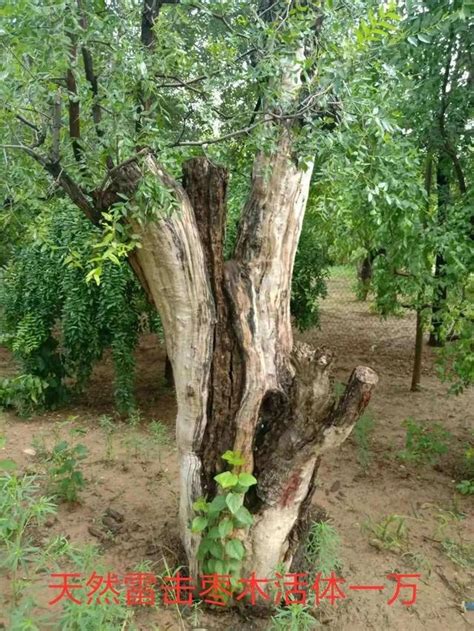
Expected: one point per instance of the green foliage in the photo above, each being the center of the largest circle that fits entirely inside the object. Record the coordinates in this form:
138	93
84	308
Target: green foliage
20	507
323	548
310	272
56	323
363	431
466	485
424	445
222	521
66	479
295	617
390	533
24	393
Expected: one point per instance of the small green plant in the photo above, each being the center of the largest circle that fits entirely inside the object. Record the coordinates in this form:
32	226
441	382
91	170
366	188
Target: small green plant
322	547
24	393
65	478
134	418
424	445
222	521
137	445
20	508
461	553
295	617
465	487
390	533
363	431
159	433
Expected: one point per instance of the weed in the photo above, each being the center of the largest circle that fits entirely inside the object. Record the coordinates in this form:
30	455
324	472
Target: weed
137	444
390	533
66	479
24	393
363	431
322	547
418	562
460	552
222	521
20	507
295	617
445	519
465	487
160	433
424	445
134	418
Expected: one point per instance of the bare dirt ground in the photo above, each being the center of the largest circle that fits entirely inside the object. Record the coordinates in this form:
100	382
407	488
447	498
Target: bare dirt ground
137	477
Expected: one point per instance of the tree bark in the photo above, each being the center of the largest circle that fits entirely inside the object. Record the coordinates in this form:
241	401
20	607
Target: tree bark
416	375
440	291
241	383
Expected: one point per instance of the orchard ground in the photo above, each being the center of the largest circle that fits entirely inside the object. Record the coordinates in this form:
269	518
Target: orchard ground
367	492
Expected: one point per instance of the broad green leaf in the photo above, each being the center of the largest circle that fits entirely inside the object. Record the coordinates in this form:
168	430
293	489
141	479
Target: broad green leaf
225	527
244	517
247	479
199	523
234	501
226	479
234	549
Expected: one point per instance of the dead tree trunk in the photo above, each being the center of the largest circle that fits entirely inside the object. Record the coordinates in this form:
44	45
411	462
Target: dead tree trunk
241	383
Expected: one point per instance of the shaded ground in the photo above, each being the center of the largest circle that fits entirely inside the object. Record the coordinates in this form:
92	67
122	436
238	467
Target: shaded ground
134	472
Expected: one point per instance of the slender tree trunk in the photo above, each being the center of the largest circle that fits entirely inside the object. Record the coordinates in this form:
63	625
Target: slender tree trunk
440	290
416	375
365	276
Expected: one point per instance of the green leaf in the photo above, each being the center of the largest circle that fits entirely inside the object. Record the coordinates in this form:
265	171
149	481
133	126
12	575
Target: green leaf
234	501
226	479
216	549
217	504
199	523
201	505
247	479
233	457
214	533
424	38
235	550
244	517
225	527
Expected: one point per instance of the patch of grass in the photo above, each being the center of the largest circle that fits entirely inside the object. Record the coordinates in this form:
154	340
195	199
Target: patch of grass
295	617
390	533
20	508
460	552
322	547
363	431
424	445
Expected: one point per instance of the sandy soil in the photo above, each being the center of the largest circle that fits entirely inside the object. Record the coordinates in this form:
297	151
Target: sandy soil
138	478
